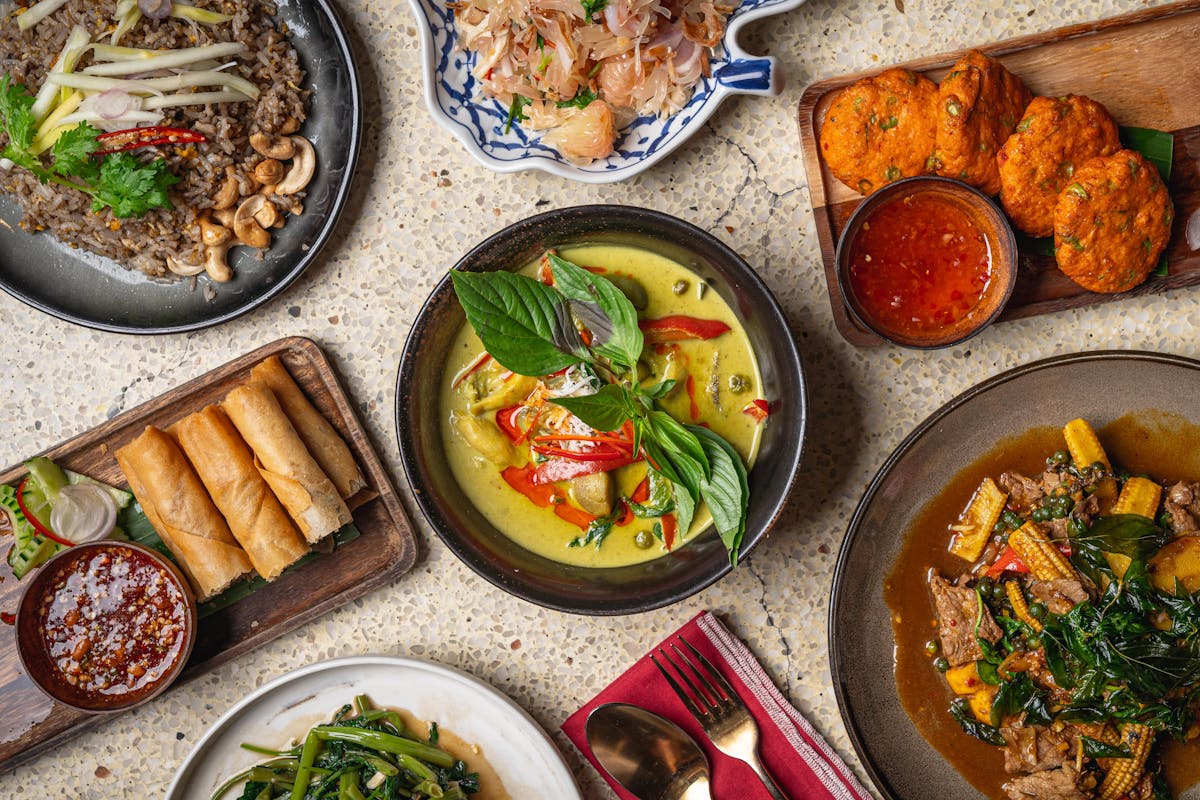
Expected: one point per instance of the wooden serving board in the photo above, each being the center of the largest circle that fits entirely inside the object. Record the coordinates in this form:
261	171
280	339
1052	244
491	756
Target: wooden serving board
30	722
1142	66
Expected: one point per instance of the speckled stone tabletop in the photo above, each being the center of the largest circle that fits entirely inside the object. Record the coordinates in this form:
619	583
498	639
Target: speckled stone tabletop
419	202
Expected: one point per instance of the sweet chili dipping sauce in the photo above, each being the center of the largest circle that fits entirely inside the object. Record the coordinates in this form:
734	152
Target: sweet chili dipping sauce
113	622
920	264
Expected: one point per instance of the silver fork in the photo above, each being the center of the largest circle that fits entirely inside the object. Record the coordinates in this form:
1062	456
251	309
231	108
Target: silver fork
718	709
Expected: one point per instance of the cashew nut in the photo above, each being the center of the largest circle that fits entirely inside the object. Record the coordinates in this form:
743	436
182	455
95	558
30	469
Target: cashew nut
211	234
246	225
224	216
280	147
304	166
228	194
183	268
268	173
215	263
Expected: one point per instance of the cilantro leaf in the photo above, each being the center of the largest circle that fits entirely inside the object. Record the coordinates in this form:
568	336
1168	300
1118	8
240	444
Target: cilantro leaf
592	7
73	153
16	106
582	99
131	187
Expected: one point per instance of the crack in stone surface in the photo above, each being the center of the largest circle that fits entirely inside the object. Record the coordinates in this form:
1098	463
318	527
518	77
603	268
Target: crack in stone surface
785	648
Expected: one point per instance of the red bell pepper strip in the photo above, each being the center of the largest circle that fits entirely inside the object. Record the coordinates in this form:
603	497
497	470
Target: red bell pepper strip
1008	561
758	409
134	138
677	327
38	525
506	421
522	479
669	527
693	407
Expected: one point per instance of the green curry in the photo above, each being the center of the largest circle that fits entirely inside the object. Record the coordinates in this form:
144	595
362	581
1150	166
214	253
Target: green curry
577	493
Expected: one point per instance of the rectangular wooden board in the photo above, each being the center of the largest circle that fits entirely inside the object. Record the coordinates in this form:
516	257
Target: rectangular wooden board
1141	66
386	548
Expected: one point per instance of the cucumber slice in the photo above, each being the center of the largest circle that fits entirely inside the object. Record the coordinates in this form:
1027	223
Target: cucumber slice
48	476
121	497
29	550
35	501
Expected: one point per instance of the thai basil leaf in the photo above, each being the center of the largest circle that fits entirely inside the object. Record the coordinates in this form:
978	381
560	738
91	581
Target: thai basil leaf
685	509
961	711
1019	694
1094	748
523	324
988	673
659	390
605	410
675	436
1129	534
622	341
725	492
598	530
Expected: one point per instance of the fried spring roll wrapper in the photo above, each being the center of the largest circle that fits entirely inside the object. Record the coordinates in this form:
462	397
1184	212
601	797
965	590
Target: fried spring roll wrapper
284	463
226	467
322	441
179	508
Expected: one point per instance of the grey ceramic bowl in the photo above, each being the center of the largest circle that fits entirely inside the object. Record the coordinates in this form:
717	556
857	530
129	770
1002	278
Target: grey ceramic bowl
588	590
1100	387
988	218
97	292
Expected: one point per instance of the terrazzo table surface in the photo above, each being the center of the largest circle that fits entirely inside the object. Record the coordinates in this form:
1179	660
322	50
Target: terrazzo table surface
419	203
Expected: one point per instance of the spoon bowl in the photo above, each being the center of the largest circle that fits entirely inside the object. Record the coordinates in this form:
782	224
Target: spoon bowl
650	756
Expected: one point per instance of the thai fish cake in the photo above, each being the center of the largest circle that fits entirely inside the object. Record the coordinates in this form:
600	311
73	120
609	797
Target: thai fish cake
880	129
1112	222
1056	135
978	106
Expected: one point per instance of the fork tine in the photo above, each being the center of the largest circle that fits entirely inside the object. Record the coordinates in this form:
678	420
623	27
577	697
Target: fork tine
720	679
706	687
687	700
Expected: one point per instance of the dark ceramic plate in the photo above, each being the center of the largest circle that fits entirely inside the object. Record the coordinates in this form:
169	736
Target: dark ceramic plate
97	292
1100	387
582	590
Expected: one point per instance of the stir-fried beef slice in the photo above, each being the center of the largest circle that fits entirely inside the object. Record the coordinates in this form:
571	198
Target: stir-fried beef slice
1144	790
1034	748
1087	509
1057	528
1024	492
1059	595
957	609
1183	504
1050	784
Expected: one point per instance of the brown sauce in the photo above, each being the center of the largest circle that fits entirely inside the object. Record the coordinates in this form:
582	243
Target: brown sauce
1165	446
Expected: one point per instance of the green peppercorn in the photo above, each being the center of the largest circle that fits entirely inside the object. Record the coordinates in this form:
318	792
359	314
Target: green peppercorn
738	383
680	286
933	647
1033	641
999	527
1037	610
998	592
1011	519
1059	457
985	586
941	664
643	539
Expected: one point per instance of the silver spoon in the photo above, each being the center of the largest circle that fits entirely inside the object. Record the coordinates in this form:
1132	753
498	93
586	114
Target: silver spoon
651	757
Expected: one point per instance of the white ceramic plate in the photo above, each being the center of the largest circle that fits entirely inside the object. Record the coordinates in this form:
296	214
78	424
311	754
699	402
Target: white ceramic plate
452	94
520	752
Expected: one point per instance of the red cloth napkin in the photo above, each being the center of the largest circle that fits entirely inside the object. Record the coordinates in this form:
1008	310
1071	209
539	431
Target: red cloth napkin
802	762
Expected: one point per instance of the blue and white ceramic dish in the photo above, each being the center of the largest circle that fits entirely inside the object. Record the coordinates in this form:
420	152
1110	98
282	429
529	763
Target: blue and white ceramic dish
453	96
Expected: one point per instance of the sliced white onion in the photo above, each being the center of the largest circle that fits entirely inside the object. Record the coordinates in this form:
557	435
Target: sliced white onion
155	9
112	104
84	512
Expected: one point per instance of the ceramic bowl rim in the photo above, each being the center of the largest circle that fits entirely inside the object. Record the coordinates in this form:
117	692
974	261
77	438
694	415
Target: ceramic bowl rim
1004	234
503	580
168	678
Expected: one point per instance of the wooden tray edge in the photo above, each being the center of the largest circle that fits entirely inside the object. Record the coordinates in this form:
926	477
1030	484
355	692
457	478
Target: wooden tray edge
815	174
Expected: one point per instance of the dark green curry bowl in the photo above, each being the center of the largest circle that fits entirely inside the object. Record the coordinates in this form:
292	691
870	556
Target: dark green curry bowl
589	590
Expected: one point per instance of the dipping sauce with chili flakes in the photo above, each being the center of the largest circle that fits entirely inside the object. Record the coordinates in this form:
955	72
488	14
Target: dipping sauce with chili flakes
115	624
921	265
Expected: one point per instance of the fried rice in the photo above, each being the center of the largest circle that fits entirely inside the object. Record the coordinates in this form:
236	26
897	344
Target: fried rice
145	243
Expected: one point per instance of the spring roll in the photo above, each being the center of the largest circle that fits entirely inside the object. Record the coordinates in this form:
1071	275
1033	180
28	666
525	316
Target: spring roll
284	463
175	502
322	441
226	467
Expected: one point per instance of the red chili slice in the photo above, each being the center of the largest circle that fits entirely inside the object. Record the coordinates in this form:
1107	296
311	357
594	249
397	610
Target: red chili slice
758	409
134	138
42	528
677	327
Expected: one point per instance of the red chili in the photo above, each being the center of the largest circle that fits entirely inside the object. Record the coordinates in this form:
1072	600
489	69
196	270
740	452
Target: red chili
38	525
134	138
758	409
524	480
678	326
1008	561
564	469
506	420
693	407
669	527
